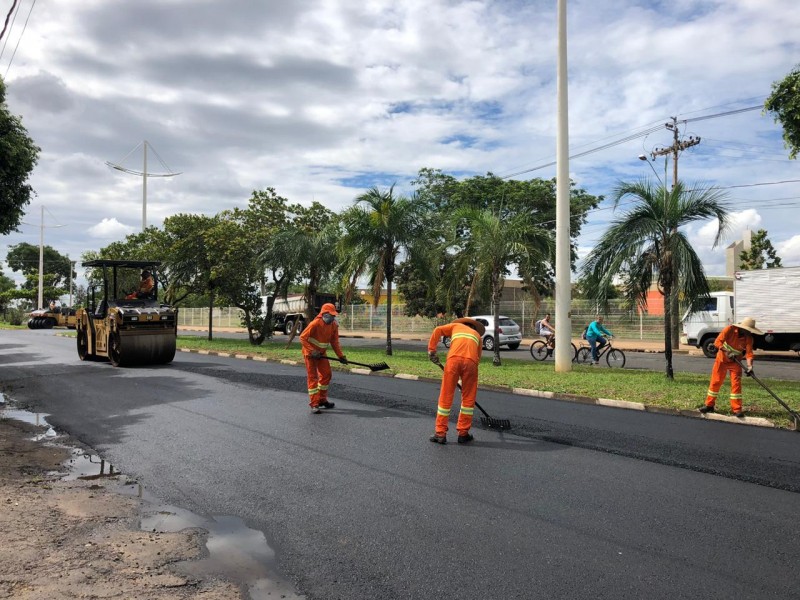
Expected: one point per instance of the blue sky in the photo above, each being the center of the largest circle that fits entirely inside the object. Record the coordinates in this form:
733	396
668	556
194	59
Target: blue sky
322	99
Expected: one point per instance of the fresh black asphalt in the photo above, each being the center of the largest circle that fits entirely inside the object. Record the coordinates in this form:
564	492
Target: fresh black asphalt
578	501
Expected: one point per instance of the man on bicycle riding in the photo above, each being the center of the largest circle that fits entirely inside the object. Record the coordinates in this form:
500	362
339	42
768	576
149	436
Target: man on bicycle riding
548	331
594	335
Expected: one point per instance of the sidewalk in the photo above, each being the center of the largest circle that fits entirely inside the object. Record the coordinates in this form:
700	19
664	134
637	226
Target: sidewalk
629	345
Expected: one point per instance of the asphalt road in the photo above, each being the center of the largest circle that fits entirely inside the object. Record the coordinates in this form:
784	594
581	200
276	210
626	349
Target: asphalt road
778	366
580	501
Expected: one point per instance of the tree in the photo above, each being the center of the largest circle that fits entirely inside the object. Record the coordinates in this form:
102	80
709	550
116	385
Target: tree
24	258
784	104
761	253
18	156
377	228
485	244
443	194
646	244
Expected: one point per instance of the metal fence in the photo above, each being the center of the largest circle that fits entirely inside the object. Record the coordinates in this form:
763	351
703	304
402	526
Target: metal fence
623	322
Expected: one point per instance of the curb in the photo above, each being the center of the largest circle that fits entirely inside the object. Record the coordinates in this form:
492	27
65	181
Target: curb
607	402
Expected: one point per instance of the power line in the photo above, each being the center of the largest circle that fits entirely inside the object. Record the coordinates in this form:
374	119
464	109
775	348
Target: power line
8	16
20	38
12	25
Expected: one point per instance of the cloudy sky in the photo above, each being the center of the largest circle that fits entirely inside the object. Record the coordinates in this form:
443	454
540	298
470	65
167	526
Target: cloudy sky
322	99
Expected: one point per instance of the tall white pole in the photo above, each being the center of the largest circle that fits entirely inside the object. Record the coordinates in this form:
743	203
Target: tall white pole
563	275
69	262
144	189
41	262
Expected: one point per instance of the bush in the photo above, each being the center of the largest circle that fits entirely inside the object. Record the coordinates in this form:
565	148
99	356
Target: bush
15	316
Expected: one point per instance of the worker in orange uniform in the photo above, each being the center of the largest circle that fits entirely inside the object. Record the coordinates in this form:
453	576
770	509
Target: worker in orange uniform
145	288
733	343
462	363
321	333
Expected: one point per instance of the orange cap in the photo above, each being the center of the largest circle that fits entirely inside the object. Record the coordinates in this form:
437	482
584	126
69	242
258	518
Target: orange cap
328	308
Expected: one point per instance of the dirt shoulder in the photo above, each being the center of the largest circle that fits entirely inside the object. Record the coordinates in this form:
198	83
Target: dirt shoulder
78	539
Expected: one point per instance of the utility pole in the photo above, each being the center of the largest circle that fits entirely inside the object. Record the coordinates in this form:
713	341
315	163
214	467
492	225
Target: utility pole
675	149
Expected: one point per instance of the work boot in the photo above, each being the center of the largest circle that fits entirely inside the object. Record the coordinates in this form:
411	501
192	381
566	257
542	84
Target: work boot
315	410
465	439
327	404
438	439
739	414
706	409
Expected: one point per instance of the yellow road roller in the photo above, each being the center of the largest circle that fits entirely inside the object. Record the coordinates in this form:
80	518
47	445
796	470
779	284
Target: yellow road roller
124	321
47	318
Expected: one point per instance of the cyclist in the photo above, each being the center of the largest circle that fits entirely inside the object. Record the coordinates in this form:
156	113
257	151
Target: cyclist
594	335
548	331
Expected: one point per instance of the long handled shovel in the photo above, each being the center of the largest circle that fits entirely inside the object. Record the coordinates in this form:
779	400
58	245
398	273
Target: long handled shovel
487	421
795	416
381	366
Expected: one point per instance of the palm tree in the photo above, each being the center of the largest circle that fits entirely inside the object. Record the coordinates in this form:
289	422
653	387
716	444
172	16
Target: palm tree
646	244
377	228
486	243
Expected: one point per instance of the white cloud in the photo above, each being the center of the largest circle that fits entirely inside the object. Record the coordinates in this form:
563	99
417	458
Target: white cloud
789	251
110	229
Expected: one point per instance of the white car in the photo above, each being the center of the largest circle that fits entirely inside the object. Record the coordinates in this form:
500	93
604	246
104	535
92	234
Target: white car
509	334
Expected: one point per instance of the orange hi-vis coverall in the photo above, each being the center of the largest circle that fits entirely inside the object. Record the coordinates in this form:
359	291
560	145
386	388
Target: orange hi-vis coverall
319	336
462	363
740	342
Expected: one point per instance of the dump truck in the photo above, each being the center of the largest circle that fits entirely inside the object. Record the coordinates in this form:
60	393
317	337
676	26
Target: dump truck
287	311
126	326
47	318
767	295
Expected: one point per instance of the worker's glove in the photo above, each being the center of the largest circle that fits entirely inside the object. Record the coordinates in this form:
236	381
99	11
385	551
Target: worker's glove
434	358
316	354
732	355
748	371
343	358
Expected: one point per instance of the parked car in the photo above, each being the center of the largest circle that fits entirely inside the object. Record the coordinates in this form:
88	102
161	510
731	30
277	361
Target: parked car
510	333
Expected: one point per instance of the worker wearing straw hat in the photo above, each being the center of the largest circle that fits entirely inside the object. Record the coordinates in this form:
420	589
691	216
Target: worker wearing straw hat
733	343
462	363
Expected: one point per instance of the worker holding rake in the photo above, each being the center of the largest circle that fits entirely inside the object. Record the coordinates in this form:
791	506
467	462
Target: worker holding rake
733	343
462	363
322	333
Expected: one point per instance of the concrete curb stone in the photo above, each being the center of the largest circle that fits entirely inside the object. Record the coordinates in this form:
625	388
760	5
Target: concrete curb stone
607	402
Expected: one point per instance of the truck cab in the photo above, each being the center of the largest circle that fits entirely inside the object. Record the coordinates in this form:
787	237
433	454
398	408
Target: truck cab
701	327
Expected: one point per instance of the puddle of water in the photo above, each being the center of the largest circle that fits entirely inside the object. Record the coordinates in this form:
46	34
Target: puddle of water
236	552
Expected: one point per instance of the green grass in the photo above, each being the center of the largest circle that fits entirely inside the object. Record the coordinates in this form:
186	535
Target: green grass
686	392
4	325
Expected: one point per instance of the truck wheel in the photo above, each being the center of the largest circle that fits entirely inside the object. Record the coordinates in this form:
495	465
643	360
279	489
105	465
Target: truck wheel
287	327
708	347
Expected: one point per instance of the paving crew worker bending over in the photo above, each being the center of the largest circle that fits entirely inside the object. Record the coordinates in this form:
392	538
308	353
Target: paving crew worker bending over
462	363
321	333
734	342
594	335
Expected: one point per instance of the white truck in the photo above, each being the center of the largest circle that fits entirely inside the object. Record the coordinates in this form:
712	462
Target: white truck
286	311
770	296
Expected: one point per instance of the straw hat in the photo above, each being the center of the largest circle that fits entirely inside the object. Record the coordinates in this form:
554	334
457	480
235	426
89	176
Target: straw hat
476	325
749	323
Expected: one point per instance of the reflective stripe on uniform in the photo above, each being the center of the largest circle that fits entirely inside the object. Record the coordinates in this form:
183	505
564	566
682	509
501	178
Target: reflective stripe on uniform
713	394
728	348
318	344
736	396
469	336
312	391
445	412
467	410
323	387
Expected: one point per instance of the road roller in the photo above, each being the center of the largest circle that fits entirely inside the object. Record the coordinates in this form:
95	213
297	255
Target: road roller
124	320
46	318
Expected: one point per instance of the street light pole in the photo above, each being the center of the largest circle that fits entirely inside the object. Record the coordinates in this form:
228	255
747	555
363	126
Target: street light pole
41	261
563	268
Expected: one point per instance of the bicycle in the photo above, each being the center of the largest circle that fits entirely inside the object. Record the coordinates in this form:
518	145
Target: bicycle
540	350
614	356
